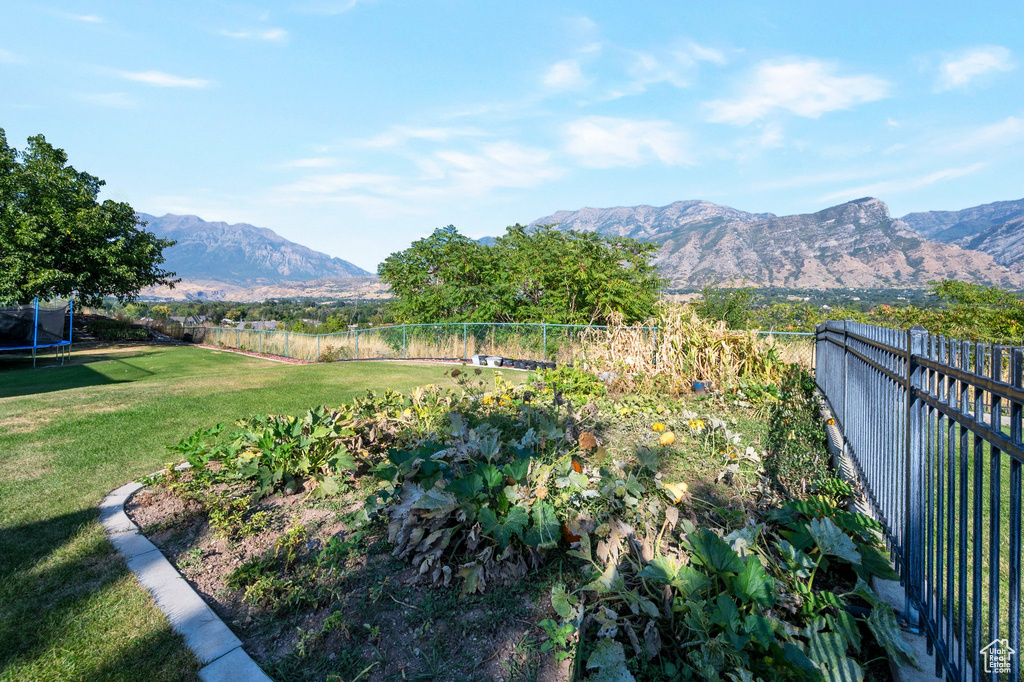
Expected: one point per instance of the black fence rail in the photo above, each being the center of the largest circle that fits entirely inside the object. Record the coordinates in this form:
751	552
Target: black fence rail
933	426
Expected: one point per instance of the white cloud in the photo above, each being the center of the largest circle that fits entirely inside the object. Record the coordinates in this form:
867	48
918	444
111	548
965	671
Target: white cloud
330	7
703	53
564	75
675	66
805	87
399	135
164	80
270	34
7	57
443	177
902	185
86	18
1001	133
500	164
314	162
111	100
607	142
961	68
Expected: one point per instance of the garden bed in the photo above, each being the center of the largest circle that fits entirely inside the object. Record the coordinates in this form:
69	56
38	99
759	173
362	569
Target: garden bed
546	531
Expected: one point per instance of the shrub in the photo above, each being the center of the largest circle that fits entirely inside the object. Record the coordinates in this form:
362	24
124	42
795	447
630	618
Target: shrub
116	330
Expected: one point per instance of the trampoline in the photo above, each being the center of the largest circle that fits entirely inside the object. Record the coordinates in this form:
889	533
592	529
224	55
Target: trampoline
37	328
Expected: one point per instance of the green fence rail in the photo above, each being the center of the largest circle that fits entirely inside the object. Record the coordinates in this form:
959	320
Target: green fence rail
450	341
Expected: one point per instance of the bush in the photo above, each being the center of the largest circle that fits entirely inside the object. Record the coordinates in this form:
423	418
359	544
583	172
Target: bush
116	330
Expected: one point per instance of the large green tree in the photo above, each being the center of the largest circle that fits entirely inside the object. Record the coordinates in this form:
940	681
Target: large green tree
58	239
527	275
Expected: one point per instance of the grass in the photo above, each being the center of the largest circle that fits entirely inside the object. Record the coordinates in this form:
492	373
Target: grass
69	607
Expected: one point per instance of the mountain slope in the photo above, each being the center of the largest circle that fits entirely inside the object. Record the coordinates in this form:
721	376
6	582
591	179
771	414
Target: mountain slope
648	222
241	254
856	244
996	229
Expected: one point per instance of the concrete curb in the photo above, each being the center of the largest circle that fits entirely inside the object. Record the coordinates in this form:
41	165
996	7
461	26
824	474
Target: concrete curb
218	649
890	591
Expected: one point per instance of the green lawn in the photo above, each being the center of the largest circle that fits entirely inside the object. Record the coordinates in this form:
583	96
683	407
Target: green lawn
69	607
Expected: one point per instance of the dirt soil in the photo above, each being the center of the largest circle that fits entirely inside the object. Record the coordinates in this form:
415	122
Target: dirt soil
390	627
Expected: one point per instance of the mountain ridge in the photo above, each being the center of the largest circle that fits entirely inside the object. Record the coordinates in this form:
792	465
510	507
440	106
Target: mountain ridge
240	254
857	243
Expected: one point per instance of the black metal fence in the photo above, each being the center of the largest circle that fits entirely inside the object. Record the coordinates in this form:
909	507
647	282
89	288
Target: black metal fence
933	426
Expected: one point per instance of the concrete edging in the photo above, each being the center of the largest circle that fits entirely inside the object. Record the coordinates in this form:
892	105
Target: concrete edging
218	649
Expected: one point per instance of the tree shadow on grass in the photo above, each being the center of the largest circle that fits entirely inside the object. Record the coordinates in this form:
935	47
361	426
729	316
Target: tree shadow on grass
52	610
19	379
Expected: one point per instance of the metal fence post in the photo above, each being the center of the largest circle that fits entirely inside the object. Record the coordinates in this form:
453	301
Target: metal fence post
846	374
465	341
261	342
286	337
357	344
913	508
544	348
318	348
405	352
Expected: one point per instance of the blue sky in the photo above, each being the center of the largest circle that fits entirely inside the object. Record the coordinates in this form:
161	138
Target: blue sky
356	126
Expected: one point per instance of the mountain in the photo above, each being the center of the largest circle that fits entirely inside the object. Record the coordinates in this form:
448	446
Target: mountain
996	229
241	254
952	226
856	244
347	288
648	222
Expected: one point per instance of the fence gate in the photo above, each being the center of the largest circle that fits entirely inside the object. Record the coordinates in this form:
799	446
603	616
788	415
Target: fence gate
933	426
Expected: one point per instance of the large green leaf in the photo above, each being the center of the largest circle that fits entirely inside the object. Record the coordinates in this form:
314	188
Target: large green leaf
874	563
832	541
491	475
660	569
844	622
752	584
884	626
712	551
467	487
689	581
826	647
517	469
563	602
545	531
503	529
846	670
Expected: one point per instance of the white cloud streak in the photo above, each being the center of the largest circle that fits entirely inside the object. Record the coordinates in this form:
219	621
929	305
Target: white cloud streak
313	162
164	80
608	142
270	34
902	185
399	135
109	100
563	75
1000	134
960	69
804	87
8	57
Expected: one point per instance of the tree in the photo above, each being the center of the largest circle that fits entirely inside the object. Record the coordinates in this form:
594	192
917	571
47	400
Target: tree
57	239
528	275
444	277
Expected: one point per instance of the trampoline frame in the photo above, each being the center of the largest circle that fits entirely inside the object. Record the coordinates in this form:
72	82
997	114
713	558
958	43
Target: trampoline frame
62	349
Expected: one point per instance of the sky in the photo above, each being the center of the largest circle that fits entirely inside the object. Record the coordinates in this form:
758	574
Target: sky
357	126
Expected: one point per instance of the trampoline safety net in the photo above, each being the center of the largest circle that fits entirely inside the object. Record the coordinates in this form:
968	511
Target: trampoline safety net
17	326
